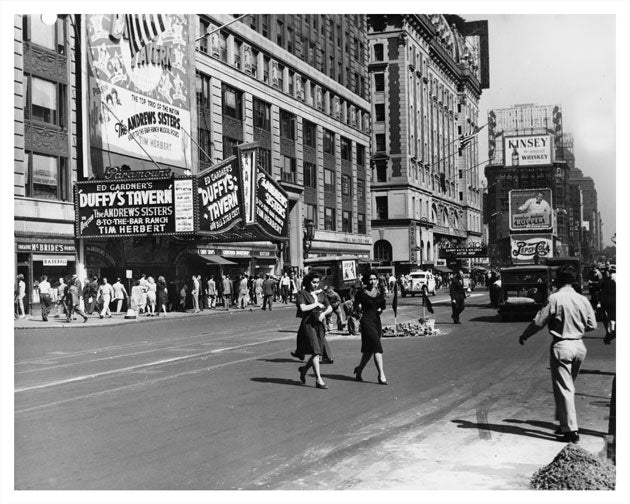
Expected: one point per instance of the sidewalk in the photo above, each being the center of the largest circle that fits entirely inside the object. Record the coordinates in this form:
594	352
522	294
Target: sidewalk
34	320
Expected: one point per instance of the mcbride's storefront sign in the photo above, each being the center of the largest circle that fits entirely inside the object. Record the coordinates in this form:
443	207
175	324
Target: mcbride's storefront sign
139	103
134	208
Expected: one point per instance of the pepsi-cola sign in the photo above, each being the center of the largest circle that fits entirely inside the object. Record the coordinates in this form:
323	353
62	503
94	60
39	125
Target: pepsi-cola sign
526	247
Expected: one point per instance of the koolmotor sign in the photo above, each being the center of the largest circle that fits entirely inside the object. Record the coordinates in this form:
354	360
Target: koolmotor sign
531	209
139	99
526	247
134	207
527	150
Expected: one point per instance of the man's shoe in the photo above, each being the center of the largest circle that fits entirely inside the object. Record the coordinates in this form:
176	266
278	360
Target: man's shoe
571	437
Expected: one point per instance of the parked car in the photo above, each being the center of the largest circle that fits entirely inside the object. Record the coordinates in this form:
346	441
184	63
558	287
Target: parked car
417	282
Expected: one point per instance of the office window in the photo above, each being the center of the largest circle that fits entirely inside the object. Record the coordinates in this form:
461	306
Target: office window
290	40
379	112
346	148
329	219
265	25
223	46
46	101
329	142
346	221
361	228
339	72
381	171
204	26
266	63
232	102
378	52
237	53
51	37
202	83
380	142
310	175
379	82
329	181
381	207
264	160
360	155
360	189
288	169
229	145
254	62
346	185
281	77
280	34
205	145
310	212
262	114
309	132
291	80
46	176
287	125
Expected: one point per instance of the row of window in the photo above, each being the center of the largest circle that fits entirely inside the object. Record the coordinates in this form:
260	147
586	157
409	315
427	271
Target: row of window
330	219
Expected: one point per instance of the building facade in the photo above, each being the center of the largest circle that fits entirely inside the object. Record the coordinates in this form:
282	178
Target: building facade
427	74
515	165
295	84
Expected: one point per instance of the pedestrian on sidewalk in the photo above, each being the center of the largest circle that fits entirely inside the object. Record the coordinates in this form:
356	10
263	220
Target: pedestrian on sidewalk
120	294
151	296
60	305
269	289
137	296
105	294
20	293
44	296
183	292
144	287
285	284
73	301
311	337
162	295
458	296
568	315
227	292
243	293
211	292
370	301
195	293
335	303
258	291
608	302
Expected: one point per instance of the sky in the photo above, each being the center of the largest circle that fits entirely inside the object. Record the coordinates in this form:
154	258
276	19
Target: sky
568	60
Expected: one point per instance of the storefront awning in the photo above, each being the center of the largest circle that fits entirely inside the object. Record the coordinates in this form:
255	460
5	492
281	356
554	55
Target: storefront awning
216	259
442	269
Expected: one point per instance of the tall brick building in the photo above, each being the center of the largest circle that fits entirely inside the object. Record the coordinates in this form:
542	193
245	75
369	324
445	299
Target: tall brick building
427	73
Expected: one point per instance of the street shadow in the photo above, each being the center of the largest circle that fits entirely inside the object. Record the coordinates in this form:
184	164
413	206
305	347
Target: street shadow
294	331
487	318
278	381
506	429
597	372
338	377
552	427
280	360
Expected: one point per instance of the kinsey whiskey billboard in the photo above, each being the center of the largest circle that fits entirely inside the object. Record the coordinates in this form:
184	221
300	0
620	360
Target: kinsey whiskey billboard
527	150
134	207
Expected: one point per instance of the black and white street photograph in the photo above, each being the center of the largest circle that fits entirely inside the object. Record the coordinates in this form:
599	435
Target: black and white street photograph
341	251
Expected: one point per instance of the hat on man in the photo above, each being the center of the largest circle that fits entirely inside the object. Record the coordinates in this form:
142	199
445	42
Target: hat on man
20	276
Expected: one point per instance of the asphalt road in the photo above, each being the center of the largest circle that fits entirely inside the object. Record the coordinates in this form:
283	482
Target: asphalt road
214	402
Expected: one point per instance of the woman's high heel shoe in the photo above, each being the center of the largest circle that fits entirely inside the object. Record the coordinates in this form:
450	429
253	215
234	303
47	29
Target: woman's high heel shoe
321	385
382	382
302	371
357	373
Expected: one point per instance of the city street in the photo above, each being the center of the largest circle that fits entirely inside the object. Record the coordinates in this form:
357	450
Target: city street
213	401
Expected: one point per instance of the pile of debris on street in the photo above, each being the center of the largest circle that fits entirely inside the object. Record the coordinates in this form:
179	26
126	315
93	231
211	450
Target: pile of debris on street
575	469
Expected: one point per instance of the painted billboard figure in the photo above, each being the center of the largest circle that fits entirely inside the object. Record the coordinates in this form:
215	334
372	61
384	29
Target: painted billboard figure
537	205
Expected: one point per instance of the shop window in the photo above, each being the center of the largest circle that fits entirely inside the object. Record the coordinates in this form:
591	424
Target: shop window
329	181
46	176
310	175
329	219
262	114
232	102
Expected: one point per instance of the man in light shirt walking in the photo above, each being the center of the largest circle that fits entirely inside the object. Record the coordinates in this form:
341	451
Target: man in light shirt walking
568	315
44	297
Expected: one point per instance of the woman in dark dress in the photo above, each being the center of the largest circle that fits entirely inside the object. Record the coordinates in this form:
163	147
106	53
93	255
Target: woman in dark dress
371	302
311	338
162	295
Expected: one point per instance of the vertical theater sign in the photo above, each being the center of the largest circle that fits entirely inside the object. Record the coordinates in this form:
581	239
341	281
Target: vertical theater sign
139	100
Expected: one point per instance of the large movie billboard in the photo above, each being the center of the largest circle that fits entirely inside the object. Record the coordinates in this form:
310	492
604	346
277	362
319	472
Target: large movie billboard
526	247
139	207
138	92
530	209
528	150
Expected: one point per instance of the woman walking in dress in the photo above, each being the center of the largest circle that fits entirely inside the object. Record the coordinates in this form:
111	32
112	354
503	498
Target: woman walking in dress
162	295
371	302
151	296
311	338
